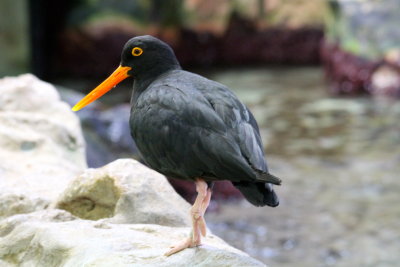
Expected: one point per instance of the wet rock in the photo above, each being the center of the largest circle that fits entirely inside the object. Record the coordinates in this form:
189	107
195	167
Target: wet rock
385	82
106	129
56	239
108	135
346	73
125	191
42	146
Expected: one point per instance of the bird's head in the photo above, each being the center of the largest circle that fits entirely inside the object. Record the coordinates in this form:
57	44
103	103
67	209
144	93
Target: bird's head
143	57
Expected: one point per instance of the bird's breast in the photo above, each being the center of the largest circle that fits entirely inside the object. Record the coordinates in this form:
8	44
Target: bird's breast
156	120
162	137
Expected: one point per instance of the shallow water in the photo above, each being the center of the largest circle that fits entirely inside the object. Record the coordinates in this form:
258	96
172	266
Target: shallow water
339	160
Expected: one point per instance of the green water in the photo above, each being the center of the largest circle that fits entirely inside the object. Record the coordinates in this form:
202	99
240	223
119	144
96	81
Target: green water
339	160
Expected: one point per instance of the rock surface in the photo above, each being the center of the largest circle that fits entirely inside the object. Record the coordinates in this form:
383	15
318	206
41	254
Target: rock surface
125	191
41	142
106	130
123	214
55	238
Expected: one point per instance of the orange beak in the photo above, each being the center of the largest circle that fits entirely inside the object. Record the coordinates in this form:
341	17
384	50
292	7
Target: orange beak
120	74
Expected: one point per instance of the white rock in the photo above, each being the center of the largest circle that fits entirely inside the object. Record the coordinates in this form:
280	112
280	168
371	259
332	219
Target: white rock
125	191
41	142
53	238
118	215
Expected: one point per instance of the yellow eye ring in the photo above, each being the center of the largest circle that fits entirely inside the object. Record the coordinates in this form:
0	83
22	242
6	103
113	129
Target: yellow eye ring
137	51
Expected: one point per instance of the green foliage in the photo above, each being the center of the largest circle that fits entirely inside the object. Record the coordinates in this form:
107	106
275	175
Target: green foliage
163	13
365	28
14	37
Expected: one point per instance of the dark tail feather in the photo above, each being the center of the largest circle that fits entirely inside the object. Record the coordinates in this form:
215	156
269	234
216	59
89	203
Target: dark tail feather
258	194
269	178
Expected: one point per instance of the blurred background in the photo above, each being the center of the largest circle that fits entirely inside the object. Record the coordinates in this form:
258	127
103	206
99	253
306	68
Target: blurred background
322	78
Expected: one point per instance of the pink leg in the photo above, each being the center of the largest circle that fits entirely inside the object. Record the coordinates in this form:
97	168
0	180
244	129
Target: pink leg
198	223
204	206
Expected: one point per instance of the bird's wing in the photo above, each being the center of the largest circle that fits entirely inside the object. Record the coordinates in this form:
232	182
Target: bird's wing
180	134
240	122
241	127
235	133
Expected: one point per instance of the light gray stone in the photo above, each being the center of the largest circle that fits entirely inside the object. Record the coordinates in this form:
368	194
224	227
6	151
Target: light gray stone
41	142
125	191
53	213
54	238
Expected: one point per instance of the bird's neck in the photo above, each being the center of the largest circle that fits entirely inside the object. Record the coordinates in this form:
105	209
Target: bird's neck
142	81
145	77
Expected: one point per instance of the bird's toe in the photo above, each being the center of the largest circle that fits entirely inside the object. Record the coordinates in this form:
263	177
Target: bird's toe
187	243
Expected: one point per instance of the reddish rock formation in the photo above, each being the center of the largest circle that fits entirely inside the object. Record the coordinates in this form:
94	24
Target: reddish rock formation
347	74
93	52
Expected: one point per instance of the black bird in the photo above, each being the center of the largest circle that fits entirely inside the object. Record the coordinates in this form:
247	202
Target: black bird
191	128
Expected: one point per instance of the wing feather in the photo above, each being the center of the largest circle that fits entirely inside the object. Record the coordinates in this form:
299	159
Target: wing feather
198	128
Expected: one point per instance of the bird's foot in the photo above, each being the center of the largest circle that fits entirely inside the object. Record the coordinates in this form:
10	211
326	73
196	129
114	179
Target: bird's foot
187	243
199	227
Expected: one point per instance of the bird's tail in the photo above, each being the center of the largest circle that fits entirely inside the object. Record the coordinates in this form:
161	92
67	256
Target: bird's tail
269	178
258	193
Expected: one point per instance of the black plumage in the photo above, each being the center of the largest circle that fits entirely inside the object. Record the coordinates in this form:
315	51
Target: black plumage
188	127
191	128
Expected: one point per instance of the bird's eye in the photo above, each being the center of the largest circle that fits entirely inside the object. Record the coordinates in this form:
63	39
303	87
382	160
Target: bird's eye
137	51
